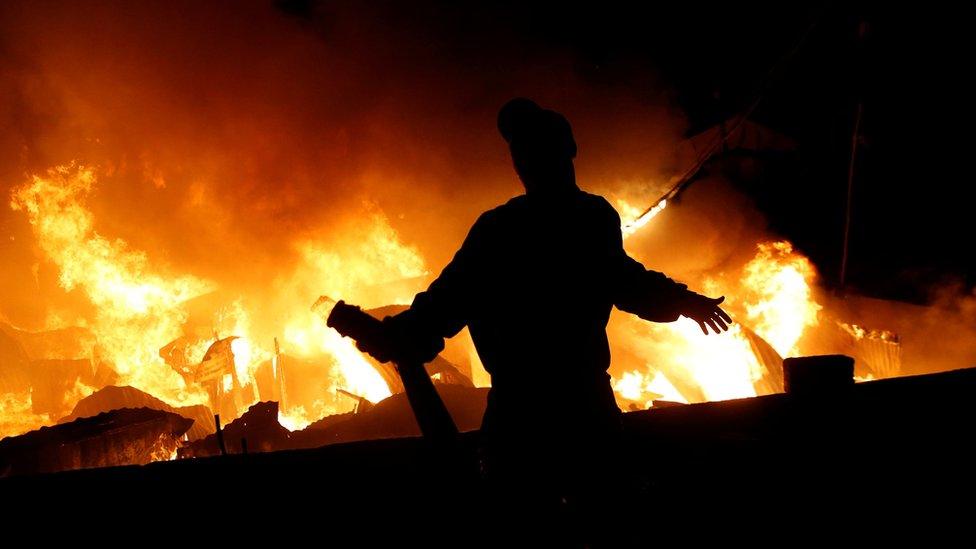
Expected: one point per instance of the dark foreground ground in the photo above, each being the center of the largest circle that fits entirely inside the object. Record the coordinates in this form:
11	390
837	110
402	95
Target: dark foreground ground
879	457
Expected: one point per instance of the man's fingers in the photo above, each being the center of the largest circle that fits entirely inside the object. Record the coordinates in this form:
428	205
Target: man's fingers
708	324
716	323
712	317
711	324
721	324
724	315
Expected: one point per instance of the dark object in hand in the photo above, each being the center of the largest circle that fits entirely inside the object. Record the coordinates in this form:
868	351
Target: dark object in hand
385	340
372	336
366	331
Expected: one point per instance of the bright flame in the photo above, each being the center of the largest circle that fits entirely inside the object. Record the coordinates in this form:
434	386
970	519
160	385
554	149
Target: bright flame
645	389
236	321
774	290
295	419
138	310
355	373
777	281
637	217
17	415
723	365
365	273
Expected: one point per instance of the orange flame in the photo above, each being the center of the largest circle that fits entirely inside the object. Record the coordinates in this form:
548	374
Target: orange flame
777	281
137	308
637	219
364	270
16	415
774	290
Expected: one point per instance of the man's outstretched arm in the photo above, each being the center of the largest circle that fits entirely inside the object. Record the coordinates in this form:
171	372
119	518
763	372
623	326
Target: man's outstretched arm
417	334
653	296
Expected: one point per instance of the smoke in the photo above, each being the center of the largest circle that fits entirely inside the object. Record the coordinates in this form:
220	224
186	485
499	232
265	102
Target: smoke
226	135
951	322
712	227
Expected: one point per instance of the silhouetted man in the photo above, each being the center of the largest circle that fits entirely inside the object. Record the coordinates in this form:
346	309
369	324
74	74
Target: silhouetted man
535	281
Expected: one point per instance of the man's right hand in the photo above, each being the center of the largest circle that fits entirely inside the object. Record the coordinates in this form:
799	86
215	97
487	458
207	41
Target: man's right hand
403	344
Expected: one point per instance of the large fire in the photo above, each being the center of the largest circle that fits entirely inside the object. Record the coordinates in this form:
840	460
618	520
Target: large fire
137	309
773	295
140	310
140	307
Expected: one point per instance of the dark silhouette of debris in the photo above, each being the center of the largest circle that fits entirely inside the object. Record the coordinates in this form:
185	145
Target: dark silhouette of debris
259	425
113	398
120	437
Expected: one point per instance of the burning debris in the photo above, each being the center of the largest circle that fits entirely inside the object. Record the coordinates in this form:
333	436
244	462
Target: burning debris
133	306
120	437
257	430
114	398
393	418
124	426
55	368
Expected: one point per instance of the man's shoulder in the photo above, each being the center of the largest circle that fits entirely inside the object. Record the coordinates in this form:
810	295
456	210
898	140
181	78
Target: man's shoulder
521	202
593	205
598	202
599	210
514	206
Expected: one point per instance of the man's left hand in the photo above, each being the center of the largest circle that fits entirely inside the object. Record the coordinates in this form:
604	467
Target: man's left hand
707	313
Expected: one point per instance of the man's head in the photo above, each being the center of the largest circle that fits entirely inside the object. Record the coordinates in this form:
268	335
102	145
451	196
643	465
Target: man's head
542	145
